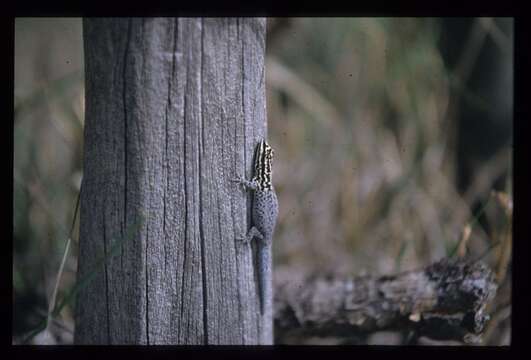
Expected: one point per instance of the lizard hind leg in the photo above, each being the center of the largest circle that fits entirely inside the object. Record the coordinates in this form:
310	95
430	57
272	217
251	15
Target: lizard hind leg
251	234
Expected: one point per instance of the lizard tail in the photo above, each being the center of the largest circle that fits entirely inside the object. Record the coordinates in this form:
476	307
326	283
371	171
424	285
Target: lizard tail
264	276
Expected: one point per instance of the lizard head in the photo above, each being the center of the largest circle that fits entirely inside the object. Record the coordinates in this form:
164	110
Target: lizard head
263	160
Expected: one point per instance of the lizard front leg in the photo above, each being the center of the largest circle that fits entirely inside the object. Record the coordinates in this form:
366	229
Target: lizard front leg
247	185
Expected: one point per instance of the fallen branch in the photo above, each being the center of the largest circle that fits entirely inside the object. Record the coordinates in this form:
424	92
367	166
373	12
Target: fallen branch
444	301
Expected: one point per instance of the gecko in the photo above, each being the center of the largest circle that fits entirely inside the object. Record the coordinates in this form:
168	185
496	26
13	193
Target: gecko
264	214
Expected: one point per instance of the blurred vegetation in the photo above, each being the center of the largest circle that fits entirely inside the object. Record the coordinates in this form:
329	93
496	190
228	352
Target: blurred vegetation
363	114
48	139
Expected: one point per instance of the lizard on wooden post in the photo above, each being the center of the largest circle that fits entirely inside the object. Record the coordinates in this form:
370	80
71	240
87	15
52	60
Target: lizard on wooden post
264	216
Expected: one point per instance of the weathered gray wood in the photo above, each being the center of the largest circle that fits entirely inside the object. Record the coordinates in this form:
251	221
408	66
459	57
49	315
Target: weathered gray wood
174	108
446	300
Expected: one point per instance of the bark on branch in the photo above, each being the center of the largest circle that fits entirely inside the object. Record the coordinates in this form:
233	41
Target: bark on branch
445	300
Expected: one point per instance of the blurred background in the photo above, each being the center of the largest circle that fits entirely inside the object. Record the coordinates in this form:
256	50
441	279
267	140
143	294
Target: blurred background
393	149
